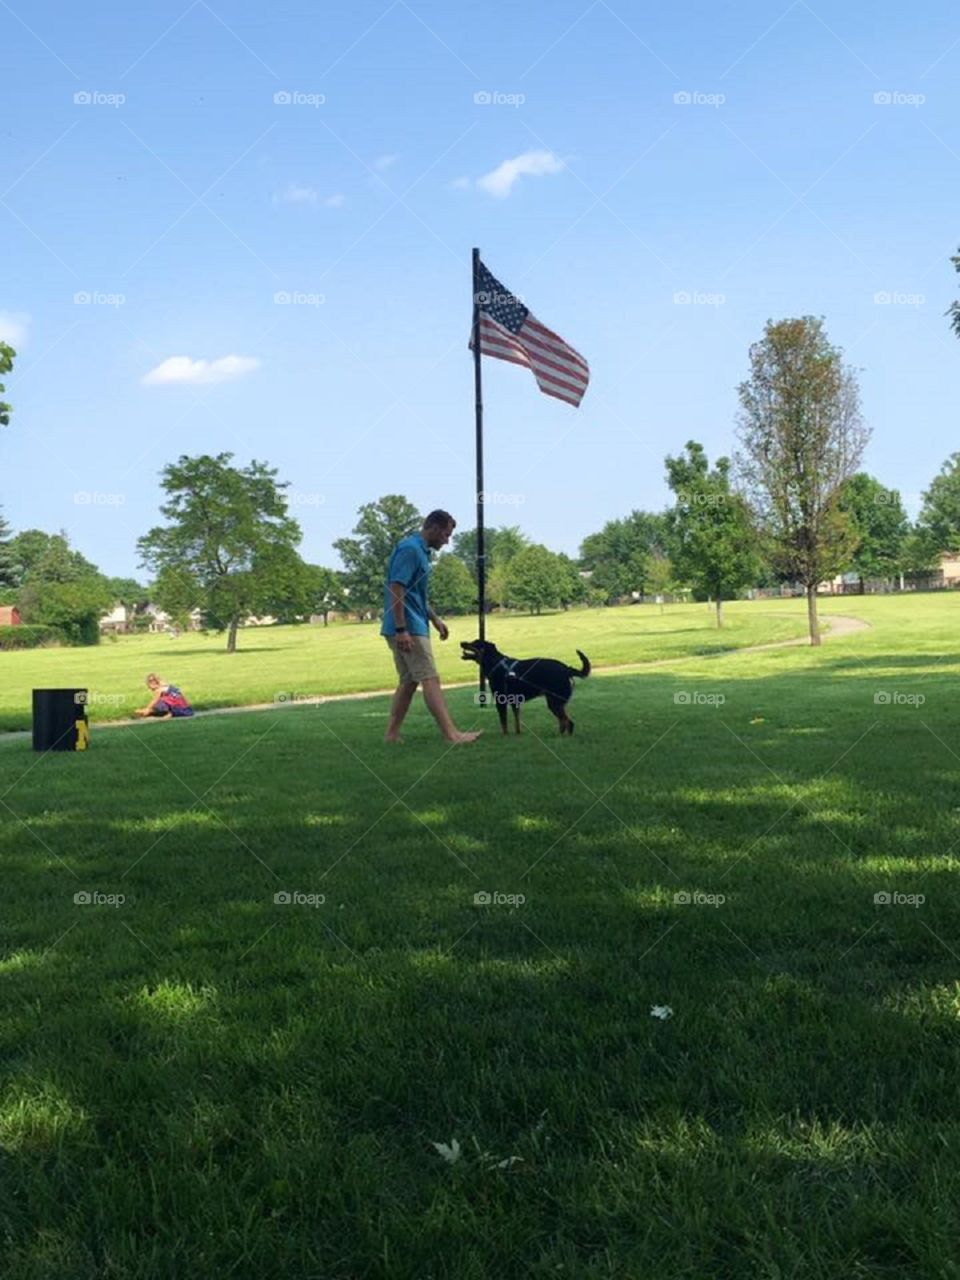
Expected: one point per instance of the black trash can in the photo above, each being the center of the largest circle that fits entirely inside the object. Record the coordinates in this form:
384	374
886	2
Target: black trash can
60	720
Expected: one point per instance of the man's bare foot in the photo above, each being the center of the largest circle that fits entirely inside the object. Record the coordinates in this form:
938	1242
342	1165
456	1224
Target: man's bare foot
392	737
461	739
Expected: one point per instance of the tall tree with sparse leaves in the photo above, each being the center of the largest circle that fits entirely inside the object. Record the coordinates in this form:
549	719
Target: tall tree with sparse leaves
229	538
803	436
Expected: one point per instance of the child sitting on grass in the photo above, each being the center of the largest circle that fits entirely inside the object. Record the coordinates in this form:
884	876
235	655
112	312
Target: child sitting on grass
167	702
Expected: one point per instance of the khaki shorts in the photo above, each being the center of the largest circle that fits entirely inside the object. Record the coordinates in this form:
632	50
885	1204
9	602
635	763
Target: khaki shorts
414	666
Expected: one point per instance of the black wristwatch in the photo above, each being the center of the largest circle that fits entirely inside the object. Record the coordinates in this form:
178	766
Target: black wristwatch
400	630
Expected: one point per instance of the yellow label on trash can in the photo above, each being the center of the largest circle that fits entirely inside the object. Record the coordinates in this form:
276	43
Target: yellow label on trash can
83	735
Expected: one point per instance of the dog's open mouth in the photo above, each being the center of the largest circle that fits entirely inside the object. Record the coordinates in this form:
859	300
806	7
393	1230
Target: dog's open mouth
471	650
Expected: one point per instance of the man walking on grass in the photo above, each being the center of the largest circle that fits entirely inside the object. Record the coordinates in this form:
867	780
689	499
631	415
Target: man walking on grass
406	626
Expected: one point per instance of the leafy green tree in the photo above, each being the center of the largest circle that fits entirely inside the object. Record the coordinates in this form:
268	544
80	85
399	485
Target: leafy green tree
365	556
7	356
940	513
879	523
618	555
49	556
452	588
128	591
229	535
920	554
74	606
803	436
573	589
327	593
660	577
712	533
11	570
177	592
499	547
535	578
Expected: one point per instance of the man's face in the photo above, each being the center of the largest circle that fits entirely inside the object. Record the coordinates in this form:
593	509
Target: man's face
153	684
436	537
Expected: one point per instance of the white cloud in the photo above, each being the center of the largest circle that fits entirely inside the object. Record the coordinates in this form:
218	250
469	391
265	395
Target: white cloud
534	164
295	194
13	327
384	162
197	372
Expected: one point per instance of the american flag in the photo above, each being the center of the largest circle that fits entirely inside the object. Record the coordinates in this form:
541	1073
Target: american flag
508	331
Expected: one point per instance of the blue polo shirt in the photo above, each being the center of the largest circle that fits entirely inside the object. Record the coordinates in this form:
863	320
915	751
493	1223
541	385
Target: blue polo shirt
410	566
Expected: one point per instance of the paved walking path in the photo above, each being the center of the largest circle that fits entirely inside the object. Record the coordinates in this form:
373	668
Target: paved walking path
834	625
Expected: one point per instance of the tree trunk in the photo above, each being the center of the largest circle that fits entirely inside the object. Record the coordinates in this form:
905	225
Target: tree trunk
232	634
719	612
861	587
812	614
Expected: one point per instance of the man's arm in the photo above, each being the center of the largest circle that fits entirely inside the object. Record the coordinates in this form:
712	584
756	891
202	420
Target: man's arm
398	596
438	622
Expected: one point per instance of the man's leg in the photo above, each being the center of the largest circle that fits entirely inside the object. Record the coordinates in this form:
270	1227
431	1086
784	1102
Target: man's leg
399	708
433	697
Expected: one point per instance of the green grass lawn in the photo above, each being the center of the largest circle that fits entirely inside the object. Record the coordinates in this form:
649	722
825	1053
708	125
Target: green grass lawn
311	661
201	1081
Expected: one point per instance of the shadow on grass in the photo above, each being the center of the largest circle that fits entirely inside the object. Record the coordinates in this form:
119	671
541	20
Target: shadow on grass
213	1071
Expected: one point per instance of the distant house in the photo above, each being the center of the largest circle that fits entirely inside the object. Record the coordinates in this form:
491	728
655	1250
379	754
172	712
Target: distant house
118	621
161	621
950	569
10	616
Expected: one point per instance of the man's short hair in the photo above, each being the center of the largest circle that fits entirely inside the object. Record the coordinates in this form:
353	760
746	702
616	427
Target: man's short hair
440	519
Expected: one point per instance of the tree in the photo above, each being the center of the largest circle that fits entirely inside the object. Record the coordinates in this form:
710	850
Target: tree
49	556
128	591
919	554
803	436
940	513
535	578
452	588
365	556
75	607
327	593
879	523
229	536
660	577
7	356
499	547
617	556
11	571
711	530
573	589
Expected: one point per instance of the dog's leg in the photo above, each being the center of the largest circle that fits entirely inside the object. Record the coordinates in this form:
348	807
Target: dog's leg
558	709
516	716
502	712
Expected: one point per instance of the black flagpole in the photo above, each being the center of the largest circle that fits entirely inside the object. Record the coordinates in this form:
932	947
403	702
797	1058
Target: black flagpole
478	395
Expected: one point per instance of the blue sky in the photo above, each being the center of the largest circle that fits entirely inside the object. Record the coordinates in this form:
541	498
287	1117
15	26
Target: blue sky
763	161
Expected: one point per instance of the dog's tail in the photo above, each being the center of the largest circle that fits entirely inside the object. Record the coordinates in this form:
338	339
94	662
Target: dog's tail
585	669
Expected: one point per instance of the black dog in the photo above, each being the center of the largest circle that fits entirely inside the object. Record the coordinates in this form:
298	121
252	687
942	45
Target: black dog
514	681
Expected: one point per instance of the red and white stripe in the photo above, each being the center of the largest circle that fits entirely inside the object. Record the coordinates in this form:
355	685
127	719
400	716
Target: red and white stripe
559	370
